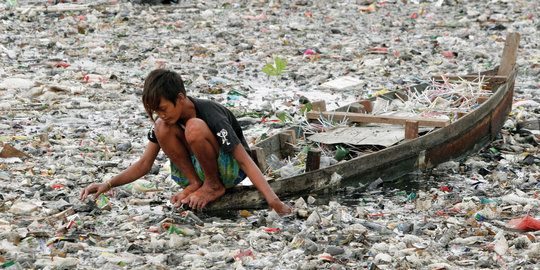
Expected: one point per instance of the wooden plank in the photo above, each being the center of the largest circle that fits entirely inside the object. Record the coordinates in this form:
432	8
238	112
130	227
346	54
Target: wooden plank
481	100
357	108
367	105
63	214
319	106
258	156
286	145
313	160
293	135
509	56
411	129
367	118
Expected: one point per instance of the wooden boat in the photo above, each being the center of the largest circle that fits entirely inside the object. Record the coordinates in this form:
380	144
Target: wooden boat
446	142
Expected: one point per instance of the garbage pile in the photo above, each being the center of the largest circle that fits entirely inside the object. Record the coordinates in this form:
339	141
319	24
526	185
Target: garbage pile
447	98
71	76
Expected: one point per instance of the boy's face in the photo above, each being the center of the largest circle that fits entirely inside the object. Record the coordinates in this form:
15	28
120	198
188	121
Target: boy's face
168	112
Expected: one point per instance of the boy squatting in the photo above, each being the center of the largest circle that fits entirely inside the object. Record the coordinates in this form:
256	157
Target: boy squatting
203	141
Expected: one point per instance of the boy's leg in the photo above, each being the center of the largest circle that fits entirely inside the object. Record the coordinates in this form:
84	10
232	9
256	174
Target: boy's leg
172	140
205	147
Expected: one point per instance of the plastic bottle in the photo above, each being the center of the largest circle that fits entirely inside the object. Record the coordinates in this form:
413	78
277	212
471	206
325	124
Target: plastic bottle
274	162
327	161
341	153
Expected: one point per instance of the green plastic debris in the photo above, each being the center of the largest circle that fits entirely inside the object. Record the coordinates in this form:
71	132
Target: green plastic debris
487	64
237	93
103	202
140	186
401	193
173	229
411	196
8	264
305	150
341	153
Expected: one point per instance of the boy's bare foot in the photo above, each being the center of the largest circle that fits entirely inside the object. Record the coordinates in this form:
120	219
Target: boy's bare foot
177	198
202	196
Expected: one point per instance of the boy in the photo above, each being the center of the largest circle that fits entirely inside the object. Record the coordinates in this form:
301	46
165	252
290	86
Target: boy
205	145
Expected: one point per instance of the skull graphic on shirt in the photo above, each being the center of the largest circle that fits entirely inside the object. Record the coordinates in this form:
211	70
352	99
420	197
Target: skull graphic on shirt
223	135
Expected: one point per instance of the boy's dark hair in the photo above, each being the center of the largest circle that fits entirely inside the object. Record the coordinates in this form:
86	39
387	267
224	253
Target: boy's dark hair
161	83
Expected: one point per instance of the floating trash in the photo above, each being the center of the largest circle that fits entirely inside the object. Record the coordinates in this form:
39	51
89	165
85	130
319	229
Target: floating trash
70	115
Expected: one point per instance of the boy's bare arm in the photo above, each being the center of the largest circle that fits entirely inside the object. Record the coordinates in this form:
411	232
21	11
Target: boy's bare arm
132	173
257	178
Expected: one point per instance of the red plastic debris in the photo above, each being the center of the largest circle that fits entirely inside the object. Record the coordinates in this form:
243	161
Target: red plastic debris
61	64
326	257
445	188
309	52
448	54
369	8
414	16
244	254
277	230
527	224
71	223
377	215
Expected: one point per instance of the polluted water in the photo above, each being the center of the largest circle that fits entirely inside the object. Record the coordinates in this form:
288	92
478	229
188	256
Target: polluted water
71	75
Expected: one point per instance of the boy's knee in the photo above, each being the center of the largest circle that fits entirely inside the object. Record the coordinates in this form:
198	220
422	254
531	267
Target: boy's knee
196	130
161	129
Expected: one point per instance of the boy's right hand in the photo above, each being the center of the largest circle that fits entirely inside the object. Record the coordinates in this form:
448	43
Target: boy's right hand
280	208
94	188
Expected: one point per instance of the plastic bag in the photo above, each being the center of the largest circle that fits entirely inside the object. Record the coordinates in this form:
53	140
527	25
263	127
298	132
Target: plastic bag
527	223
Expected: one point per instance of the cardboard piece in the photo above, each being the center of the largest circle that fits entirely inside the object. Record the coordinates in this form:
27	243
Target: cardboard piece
343	83
9	151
